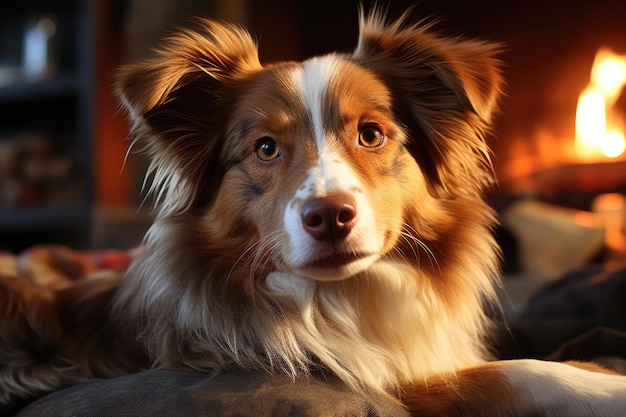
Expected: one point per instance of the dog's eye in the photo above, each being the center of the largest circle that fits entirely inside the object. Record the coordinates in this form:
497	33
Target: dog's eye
267	149
371	137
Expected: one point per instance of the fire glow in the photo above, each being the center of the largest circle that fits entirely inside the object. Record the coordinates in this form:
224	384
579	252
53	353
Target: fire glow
599	129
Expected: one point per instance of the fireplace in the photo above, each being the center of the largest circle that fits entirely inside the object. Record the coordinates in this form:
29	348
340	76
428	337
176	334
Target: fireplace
579	149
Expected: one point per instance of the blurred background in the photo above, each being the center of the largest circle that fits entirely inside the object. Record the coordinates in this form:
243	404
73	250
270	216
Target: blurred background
562	172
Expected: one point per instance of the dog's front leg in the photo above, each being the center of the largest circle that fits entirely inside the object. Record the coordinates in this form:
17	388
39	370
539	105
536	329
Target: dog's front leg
521	388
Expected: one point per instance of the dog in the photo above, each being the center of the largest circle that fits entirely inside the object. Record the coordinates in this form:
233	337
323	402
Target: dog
326	213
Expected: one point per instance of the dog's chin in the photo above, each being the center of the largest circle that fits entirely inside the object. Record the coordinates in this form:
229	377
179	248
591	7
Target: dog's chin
336	267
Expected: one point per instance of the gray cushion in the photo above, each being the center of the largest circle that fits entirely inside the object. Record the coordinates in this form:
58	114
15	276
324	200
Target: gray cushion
188	393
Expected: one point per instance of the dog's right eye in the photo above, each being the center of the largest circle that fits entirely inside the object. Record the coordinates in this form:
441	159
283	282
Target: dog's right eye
267	149
371	137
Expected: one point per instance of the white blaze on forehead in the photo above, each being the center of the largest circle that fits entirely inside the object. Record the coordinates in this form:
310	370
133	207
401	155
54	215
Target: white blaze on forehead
312	81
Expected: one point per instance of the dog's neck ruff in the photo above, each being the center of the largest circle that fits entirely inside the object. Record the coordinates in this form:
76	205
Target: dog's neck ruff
379	330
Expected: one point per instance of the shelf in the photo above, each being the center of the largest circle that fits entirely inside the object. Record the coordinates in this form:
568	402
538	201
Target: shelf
59	109
12	220
54	87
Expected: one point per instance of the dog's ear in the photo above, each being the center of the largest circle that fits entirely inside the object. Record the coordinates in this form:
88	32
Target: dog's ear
445	92
177	102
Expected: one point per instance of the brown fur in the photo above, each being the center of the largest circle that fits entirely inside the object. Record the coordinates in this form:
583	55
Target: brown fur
218	284
482	389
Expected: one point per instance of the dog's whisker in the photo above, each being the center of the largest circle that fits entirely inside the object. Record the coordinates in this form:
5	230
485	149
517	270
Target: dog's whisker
239	259
411	236
264	254
415	251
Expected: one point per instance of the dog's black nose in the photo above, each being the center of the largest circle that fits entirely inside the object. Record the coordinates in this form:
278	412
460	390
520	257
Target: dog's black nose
329	218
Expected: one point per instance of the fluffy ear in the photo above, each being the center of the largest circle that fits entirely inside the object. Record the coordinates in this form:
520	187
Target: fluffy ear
445	93
177	105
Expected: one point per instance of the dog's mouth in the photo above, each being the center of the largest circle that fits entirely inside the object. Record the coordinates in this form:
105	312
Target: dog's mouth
338	266
335	260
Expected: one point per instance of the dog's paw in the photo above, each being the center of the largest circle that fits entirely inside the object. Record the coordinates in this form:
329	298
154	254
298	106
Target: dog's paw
568	389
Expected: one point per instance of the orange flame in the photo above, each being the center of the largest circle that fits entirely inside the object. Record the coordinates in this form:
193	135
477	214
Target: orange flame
599	130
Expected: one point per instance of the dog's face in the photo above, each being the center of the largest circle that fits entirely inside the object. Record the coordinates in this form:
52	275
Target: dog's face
320	167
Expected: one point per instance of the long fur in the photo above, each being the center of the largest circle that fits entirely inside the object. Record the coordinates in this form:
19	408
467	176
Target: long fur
216	288
236	322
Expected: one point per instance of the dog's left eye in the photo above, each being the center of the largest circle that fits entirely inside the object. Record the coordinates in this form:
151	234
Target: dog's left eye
267	149
371	137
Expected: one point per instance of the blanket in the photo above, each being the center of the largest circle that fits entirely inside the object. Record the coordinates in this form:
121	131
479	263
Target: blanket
57	266
581	316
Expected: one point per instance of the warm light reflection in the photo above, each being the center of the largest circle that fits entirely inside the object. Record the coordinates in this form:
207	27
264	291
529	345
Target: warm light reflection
598	128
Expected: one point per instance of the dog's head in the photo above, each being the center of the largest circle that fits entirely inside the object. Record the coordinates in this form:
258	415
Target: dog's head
320	167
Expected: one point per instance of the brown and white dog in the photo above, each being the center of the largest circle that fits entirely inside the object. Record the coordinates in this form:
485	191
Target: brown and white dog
320	212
